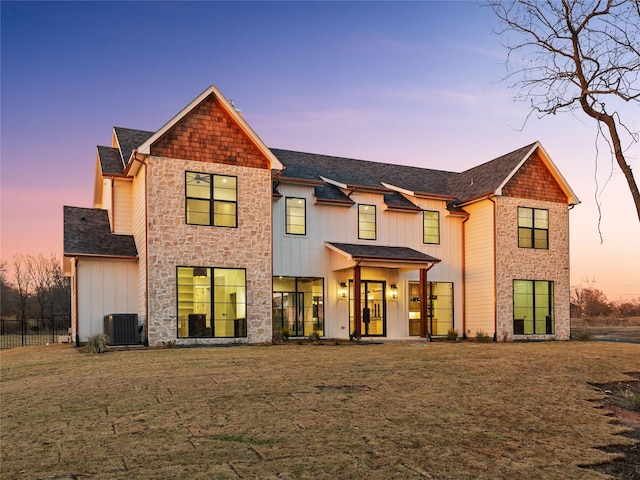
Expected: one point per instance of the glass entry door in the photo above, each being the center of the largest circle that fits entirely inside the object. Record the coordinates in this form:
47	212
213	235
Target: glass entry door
372	300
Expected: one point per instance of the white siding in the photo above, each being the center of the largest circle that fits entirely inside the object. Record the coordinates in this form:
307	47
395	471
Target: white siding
480	269
105	287
307	255
122	208
106	202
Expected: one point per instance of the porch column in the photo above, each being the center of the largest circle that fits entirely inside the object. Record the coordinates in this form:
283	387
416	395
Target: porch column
357	303
424	321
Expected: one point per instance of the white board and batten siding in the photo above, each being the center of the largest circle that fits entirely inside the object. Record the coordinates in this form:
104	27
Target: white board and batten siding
480	268
307	255
107	286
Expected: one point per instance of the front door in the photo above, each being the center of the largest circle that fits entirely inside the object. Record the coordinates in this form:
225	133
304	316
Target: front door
372	299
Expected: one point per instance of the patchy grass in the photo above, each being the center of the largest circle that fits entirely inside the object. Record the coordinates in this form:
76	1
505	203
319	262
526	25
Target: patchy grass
417	410
606	327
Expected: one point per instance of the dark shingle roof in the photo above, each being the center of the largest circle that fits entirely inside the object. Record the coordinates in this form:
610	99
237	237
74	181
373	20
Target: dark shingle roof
378	252
110	160
475	182
361	173
129	139
486	178
396	201
87	232
331	194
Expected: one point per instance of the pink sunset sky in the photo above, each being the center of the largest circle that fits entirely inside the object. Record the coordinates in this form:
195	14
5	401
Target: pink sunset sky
416	83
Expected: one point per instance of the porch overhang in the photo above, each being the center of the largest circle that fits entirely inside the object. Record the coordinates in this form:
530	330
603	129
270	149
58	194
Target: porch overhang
380	256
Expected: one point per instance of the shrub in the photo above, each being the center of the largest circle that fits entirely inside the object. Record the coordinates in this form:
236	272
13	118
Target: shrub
452	335
482	337
97	343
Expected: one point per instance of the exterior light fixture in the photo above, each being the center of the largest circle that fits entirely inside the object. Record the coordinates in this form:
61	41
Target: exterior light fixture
343	291
393	291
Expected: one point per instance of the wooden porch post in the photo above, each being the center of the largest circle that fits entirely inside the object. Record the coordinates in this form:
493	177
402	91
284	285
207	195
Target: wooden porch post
424	325
357	303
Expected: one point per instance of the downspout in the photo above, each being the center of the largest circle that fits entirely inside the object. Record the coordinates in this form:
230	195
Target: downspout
146	256
464	278
495	273
143	162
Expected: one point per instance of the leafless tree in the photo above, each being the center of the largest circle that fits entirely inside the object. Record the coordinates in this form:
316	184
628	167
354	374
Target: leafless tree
573	55
47	280
23	283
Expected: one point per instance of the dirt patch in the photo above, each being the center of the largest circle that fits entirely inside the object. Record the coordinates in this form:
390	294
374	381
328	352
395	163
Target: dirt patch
622	402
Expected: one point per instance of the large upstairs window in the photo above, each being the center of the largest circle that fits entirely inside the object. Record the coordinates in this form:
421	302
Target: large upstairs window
533	228
211	199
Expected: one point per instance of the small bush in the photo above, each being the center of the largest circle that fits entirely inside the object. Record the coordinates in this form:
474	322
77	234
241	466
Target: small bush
482	337
169	344
97	343
452	335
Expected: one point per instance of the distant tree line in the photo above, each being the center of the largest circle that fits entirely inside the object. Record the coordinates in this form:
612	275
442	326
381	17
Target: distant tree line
38	290
591	302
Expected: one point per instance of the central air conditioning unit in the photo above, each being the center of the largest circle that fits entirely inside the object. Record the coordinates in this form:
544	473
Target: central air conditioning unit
122	328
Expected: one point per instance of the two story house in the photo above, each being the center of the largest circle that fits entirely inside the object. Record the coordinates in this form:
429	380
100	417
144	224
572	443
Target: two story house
201	234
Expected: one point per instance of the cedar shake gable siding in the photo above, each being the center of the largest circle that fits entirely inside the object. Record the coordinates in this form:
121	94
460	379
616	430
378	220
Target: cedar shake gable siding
534	181
209	134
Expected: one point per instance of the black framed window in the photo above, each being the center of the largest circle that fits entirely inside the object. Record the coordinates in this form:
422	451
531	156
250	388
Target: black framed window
296	216
298	306
533	307
212	302
533	228
431	227
211	199
367	222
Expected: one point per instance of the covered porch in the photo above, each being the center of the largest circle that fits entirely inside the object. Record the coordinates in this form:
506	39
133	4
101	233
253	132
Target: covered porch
369	294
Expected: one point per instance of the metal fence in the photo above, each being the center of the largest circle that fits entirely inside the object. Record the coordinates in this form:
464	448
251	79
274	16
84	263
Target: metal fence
33	332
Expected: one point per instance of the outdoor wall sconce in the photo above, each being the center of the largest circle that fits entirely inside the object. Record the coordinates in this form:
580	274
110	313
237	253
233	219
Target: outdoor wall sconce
393	292
343	291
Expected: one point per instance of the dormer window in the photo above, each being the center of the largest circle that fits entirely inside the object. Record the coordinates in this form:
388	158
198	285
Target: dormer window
211	199
367	222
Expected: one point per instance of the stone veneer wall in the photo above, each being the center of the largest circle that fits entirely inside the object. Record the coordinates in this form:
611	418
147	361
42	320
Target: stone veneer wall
171	243
514	263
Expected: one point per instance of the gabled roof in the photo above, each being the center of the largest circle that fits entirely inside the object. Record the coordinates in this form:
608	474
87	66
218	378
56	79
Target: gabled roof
87	233
128	140
145	147
487	177
110	161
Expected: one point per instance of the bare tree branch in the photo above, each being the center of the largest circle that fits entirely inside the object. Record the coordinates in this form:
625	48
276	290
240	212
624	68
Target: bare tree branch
577	54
